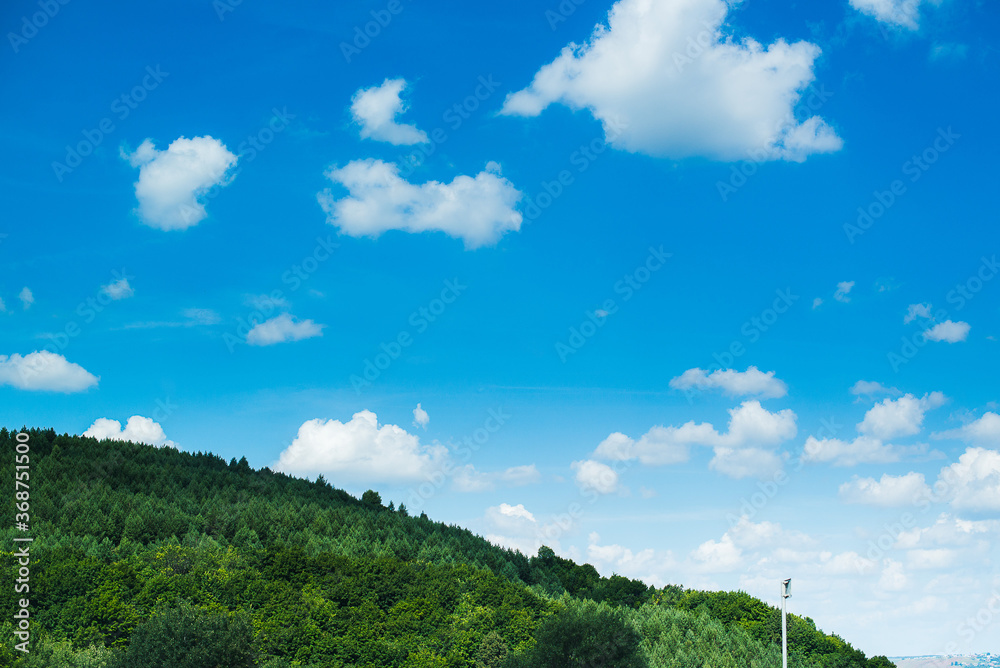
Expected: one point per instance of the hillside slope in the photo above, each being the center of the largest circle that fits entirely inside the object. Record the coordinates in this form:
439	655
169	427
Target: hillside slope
134	544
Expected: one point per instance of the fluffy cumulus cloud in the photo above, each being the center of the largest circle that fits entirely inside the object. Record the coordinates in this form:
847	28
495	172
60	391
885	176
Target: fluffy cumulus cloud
375	110
468	479
44	371
743	450
283	328
728	99
890	491
119	289
948	331
596	476
360	450
477	209
752	382
899	417
173	181
984	431
973	482
716	556
138	429
899	13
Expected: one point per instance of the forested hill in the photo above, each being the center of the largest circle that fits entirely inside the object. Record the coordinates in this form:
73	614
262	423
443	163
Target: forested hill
147	557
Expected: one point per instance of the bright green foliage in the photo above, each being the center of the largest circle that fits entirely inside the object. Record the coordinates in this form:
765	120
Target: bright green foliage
145	555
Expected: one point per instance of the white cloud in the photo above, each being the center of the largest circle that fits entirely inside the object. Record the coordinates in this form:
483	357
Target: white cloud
594	475
3	307
728	100
360	450
626	562
618	447
948	331
915	311
899	13
893	578
478	210
375	110
137	429
817	302
468	479
732	382
948	531
172	182
745	462
863	449
717	556
899	417
848	563
119	289
930	559
26	297
44	371
973	482
420	417
984	431
518	511
890	491
843	290
738	452
871	388
283	328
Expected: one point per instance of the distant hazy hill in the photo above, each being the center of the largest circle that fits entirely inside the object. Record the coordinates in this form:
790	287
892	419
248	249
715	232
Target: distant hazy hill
153	557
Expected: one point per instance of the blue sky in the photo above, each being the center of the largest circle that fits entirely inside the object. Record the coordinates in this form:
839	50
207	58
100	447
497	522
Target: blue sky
710	292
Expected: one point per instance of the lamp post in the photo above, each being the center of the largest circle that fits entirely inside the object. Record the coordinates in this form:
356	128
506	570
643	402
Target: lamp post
786	591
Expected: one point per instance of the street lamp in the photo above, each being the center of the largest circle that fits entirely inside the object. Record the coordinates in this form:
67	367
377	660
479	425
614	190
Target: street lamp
786	591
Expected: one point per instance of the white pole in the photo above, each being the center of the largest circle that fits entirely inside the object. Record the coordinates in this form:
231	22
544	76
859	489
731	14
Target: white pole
786	591
784	630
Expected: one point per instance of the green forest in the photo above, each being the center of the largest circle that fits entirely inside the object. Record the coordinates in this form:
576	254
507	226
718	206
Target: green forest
149	557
